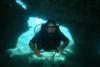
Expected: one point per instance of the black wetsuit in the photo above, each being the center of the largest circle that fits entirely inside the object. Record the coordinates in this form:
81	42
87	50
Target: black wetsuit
48	41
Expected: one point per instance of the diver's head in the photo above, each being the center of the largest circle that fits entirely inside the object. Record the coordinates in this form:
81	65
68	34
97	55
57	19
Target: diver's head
51	26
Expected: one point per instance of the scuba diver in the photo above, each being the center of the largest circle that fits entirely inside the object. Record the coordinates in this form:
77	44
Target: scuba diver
48	38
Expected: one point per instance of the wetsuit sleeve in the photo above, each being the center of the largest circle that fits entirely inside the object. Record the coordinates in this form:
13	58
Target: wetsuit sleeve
36	38
64	38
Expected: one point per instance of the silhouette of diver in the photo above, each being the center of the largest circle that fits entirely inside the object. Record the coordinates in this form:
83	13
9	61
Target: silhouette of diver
48	38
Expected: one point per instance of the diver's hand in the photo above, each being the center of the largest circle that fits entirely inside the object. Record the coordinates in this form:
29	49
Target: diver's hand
60	49
37	52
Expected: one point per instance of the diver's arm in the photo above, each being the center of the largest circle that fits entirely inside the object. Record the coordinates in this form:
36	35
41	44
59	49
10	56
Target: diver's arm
65	44
61	48
34	48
